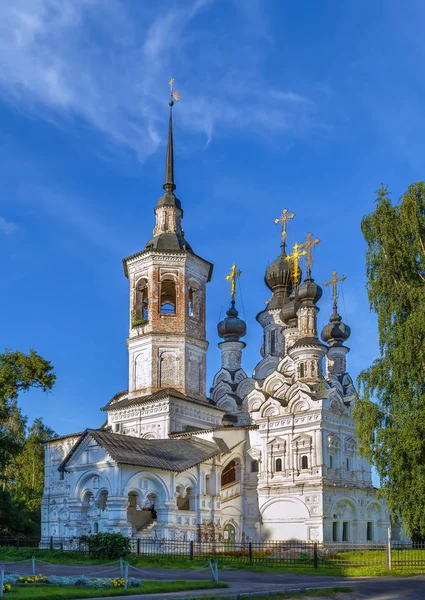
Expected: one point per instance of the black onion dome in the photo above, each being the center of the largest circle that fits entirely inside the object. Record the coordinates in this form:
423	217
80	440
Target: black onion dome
309	293
288	312
232	327
335	333
279	274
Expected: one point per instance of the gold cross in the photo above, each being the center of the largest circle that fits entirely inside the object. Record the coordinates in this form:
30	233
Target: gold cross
284	219
295	256
309	243
232	277
333	282
173	94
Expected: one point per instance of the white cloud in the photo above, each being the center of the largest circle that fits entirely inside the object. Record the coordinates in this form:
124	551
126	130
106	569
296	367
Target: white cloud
7	227
106	63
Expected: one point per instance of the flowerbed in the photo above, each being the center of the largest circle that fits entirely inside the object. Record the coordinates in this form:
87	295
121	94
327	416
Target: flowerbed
6	588
78	580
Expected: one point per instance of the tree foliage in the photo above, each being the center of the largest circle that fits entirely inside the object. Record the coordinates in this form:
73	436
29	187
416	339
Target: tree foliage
21	453
18	373
390	417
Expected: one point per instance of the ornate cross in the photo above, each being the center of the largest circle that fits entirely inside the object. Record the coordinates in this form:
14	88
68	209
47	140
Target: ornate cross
284	219
295	256
334	282
232	277
308	244
174	95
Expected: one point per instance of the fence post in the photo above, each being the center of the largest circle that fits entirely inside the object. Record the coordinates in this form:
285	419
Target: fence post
216	571
1	581
191	550
33	565
315	556
138	546
51	542
389	550
121	568
250	551
126	575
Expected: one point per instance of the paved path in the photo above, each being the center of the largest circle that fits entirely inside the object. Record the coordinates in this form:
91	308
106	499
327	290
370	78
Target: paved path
246	582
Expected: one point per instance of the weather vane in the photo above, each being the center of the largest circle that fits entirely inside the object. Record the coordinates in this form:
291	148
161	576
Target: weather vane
284	219
308	244
174	94
295	256
232	277
334	282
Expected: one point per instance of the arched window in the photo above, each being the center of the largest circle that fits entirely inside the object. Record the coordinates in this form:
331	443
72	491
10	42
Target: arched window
141	312
302	370
304	462
168	296
278	465
254	466
190	303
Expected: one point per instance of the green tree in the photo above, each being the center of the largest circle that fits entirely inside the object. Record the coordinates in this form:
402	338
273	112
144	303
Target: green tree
390	417
18	373
29	469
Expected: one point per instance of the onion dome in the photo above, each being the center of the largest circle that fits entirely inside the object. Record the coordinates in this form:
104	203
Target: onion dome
232	328
309	293
278	276
288	313
335	333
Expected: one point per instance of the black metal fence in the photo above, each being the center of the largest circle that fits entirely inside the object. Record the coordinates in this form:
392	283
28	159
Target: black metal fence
274	553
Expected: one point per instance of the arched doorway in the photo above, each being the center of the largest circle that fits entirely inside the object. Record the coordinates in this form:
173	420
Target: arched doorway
229	535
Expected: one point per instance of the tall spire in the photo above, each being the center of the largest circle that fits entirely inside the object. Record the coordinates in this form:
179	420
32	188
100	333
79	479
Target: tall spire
169	185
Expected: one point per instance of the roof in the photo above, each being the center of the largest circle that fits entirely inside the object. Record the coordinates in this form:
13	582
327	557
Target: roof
160	395
167	455
62	437
186	434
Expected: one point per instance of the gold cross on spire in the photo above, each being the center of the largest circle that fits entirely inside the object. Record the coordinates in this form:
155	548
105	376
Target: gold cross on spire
334	282
174	94
295	256
284	219
308	244
232	277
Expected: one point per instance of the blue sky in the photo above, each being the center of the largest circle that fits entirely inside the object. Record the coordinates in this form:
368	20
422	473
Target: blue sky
308	105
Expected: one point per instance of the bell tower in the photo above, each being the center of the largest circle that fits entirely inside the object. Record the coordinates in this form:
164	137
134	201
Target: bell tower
167	339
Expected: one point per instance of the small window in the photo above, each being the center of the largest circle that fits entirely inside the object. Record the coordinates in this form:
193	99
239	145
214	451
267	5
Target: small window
345	530
347	463
96	527
168	297
278	466
273	342
304	462
254	466
335	531
190	305
302	370
369	531
331	461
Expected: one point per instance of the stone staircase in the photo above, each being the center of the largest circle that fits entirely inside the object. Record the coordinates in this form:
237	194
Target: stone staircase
145	531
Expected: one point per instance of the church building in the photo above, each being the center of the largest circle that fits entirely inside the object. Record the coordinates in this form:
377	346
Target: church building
271	456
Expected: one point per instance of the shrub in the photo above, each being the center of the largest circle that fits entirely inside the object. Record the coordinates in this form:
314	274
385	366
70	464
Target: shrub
107	545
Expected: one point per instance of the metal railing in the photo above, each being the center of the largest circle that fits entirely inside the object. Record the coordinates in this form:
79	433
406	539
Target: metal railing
290	553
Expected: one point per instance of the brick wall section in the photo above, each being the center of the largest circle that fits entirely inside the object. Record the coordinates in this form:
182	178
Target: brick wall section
170	349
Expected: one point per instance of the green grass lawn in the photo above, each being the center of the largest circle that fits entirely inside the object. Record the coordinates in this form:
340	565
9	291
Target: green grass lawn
54	592
346	564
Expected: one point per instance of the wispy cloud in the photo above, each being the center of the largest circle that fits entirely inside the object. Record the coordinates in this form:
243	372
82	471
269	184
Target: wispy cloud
7	227
105	63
